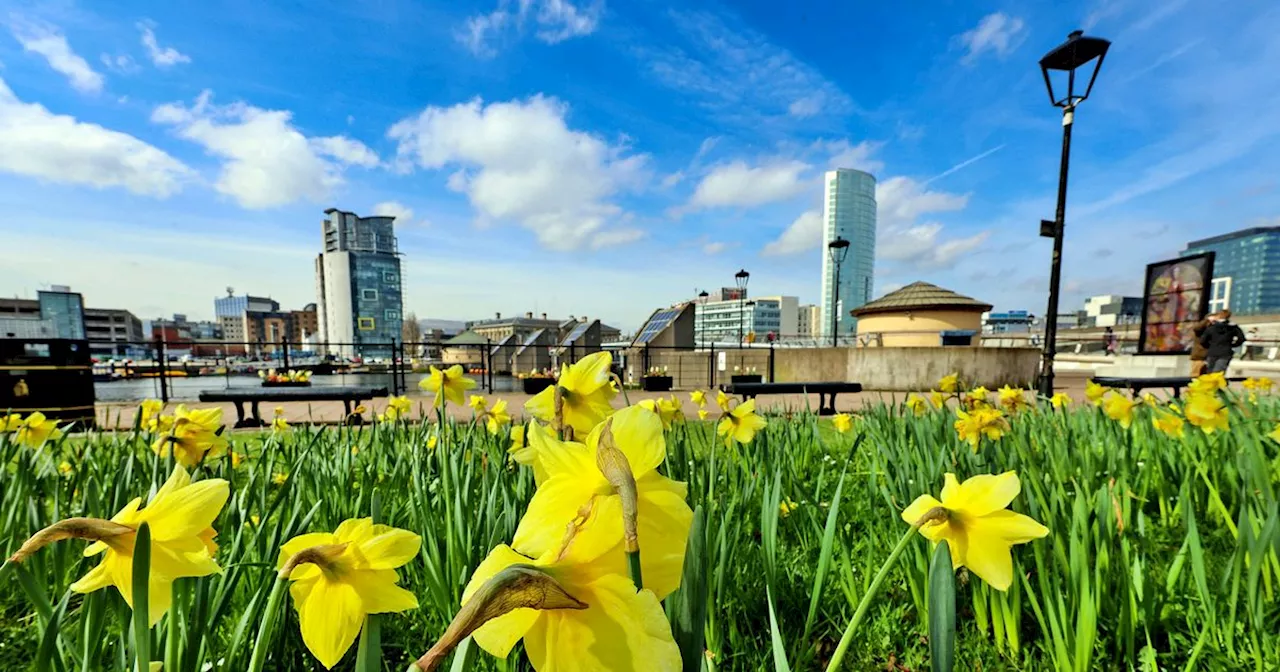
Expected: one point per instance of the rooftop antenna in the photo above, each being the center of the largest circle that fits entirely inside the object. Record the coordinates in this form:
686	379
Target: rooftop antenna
231	291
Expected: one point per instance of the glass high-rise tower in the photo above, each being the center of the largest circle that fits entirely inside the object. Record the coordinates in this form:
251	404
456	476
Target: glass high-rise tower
360	303
1246	270
849	212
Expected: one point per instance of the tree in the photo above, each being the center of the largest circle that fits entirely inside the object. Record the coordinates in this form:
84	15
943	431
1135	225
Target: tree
410	331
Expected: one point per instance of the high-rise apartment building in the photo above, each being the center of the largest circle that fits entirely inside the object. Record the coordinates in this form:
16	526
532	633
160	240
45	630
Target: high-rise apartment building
1246	270
849	212
360	304
807	318
729	320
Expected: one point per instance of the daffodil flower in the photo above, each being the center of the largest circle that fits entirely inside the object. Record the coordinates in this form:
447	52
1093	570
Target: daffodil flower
576	492
1168	423
1120	409
1013	399
741	423
180	516
979	394
351	575
843	422
979	529
1206	411
150	418
400	405
192	436
497	417
698	397
585	392
477	403
1262	384
1060	400
1094	392
615	628
278	424
972	426
702	414
667	409
1208	383
723	400
949	383
34	430
937	399
916	404
447	385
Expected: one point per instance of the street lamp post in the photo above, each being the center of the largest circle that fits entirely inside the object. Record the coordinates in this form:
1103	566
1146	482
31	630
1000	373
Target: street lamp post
837	250
1067	57
740	278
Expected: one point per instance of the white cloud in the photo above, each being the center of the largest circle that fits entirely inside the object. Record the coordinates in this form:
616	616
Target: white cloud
998	33
847	155
613	237
900	202
555	21
519	161
804	235
346	150
402	213
52	45
714	248
121	63
737	184
267	162
673	179
161	57
58	148
739	74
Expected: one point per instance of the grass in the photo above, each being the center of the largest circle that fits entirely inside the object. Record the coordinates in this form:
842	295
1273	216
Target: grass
1164	554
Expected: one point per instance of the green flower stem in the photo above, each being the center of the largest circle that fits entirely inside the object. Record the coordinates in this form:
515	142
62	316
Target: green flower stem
633	567
141	597
863	605
265	631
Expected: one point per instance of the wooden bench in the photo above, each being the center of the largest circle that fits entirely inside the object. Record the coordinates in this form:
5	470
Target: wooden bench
349	395
826	391
1137	385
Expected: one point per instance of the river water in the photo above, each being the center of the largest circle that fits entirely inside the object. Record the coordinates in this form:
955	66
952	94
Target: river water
188	389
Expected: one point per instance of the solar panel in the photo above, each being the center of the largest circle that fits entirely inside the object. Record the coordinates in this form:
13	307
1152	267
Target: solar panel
529	340
661	320
501	344
577	333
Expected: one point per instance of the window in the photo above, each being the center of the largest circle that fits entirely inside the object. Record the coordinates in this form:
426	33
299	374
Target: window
390	276
391	315
368	295
1220	294
365	323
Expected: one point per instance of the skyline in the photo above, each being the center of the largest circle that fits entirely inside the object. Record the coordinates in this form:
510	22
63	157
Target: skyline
540	145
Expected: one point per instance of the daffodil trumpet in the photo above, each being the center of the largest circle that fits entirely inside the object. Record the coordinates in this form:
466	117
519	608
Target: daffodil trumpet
516	587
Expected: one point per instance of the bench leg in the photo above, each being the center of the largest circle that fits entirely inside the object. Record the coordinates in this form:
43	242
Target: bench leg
350	418
251	421
826	403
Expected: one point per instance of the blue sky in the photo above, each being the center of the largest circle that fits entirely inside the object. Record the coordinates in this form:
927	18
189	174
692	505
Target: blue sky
595	157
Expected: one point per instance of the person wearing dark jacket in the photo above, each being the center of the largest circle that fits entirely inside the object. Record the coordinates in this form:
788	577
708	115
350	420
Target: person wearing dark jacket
1198	352
1220	340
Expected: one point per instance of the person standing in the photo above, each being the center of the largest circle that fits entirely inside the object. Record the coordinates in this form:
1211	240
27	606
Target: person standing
1109	340
1199	352
1220	340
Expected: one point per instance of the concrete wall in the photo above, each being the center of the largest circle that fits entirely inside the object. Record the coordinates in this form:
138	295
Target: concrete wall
917	328
908	369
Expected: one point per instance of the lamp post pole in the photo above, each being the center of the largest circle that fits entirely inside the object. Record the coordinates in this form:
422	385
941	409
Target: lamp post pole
740	278
836	252
1055	269
1066	58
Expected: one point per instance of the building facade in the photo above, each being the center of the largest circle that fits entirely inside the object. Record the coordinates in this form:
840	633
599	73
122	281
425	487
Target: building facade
921	315
752	319
64	309
1112	310
113	332
1246	270
807	317
849	212
1008	322
360	304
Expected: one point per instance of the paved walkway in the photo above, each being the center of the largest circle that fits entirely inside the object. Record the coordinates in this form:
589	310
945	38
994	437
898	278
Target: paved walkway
121	415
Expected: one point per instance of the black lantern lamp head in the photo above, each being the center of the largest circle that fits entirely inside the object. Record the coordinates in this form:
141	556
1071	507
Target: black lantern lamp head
838	249
741	278
1068	57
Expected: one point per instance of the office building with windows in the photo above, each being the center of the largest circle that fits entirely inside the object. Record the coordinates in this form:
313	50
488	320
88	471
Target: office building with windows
1246	270
360	304
849	212
749	320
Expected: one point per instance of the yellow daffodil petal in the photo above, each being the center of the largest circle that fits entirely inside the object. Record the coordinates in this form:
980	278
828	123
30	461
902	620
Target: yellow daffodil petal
918	508
638	434
621	630
981	494
389	547
564	499
330	615
379	593
499	635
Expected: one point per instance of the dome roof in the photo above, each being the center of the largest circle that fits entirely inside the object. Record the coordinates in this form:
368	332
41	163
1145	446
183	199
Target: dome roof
921	296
